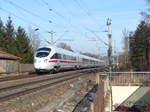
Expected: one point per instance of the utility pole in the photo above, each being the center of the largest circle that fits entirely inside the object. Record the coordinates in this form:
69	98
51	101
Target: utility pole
110	51
109	43
52	34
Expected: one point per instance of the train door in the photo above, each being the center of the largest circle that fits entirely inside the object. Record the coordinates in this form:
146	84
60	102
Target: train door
63	61
56	61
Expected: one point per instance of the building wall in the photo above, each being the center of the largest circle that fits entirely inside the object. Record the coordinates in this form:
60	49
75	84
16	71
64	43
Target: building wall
12	66
8	66
26	68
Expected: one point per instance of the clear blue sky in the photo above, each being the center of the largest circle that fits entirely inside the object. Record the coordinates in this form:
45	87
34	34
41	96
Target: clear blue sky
75	19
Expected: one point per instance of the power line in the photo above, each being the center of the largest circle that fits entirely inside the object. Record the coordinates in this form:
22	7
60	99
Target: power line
46	4
63	4
97	37
79	5
70	13
86	11
50	9
60	15
89	14
13	4
25	10
24	20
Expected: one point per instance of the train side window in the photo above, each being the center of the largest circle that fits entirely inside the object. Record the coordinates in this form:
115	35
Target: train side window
64	57
59	56
56	56
71	58
74	58
68	57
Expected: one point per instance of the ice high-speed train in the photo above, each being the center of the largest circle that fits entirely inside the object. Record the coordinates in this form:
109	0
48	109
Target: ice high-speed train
51	58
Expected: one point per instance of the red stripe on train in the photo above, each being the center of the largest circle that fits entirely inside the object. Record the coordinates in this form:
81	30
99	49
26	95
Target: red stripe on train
68	62
62	61
53	61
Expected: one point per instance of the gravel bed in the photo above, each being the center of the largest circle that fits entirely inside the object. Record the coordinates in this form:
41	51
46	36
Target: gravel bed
51	98
3	75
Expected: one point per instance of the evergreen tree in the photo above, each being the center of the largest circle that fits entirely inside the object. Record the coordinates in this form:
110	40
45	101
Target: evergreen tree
16	43
9	43
2	30
24	49
138	45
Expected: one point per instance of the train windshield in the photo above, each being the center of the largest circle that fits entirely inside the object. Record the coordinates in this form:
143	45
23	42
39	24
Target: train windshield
42	54
44	49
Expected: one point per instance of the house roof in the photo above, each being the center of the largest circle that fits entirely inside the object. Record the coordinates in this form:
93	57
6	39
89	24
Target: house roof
6	55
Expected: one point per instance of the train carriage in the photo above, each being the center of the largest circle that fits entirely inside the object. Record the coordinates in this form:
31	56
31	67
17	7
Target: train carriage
51	58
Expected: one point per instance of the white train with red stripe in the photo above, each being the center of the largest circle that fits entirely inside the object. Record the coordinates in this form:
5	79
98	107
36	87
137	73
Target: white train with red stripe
51	58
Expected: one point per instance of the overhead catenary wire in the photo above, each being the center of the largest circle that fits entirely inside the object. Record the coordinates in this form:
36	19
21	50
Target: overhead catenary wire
36	15
89	14
65	7
83	26
22	19
70	13
26	21
79	5
85	10
60	15
97	37
46	5
27	11
53	10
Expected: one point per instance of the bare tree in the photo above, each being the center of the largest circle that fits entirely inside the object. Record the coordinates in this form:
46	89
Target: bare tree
146	14
126	40
125	55
34	37
65	46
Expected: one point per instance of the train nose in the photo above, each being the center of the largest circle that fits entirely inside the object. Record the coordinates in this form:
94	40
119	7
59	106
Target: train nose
42	64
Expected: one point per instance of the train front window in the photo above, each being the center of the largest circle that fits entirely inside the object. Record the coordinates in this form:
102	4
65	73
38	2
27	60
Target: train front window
44	49
42	54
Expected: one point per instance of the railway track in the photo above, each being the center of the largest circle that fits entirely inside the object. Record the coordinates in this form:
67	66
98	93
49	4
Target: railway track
30	75
21	76
24	87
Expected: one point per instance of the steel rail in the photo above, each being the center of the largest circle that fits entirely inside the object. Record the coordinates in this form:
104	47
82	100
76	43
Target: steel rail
21	89
30	75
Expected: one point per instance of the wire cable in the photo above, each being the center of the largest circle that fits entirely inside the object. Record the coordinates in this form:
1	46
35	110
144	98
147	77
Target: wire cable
24	20
25	10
